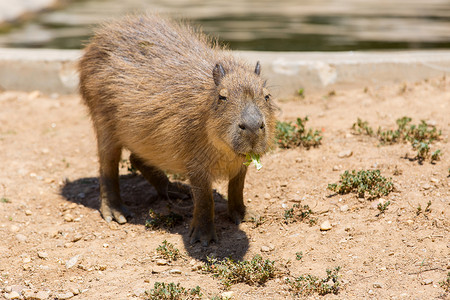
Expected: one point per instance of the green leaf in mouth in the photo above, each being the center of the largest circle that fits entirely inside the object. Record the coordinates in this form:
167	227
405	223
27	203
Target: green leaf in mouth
255	158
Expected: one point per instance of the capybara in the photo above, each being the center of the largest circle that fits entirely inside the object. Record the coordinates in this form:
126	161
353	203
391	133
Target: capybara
179	103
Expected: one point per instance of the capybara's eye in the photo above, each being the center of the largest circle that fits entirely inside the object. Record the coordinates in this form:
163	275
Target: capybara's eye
267	97
223	94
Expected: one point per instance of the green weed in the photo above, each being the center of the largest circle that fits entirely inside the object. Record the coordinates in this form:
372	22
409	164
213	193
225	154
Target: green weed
425	211
445	284
125	163
362	127
299	255
172	291
306	285
168	251
299	213
383	207
420	136
257	221
5	200
157	220
254	272
363	182
290	135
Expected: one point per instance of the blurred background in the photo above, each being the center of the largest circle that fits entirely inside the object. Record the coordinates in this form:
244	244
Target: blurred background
283	25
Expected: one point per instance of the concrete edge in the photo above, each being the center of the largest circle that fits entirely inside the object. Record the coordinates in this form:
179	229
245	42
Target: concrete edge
54	71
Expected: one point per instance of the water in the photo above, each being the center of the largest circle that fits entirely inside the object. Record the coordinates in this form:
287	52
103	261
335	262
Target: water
283	25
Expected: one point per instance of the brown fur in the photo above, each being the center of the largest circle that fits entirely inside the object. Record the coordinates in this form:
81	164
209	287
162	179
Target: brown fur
156	87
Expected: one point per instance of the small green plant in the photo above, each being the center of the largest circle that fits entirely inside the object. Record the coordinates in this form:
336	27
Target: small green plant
168	251
445	284
363	182
299	213
436	155
4	200
172	291
420	136
257	221
290	135
427	209
306	285
254	272
157	220
301	92
362	127
299	255
125	163
382	207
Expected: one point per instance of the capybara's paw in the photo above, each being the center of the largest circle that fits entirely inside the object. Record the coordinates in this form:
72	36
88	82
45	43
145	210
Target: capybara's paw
118	214
203	234
242	214
237	214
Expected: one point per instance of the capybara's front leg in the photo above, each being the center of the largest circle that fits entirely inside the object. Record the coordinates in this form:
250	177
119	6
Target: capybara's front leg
202	226
111	206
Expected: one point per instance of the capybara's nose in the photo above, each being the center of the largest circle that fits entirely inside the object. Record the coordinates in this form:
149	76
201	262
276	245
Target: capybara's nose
252	120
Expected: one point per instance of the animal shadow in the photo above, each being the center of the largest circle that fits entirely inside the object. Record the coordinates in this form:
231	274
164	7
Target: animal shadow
142	200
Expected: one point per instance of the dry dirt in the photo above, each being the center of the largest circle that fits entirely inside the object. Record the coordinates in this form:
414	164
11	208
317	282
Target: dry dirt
49	191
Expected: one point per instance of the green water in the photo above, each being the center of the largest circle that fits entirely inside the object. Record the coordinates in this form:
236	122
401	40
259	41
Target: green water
285	25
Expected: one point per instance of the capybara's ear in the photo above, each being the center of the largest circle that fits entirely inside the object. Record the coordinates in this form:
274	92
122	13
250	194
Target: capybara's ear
218	74
258	68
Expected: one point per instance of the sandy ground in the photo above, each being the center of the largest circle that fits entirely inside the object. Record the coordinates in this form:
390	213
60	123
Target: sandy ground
49	217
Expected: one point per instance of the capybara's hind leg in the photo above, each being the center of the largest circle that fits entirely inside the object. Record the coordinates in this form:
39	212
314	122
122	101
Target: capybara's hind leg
111	206
153	175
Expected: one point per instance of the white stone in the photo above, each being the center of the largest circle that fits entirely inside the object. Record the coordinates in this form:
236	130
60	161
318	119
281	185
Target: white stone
325	226
73	261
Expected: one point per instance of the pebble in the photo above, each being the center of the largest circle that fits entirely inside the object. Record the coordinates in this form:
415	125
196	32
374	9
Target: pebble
21	238
28	294
12	295
158	269
68	245
345	153
227	295
426	186
68	218
14	228
42	254
66	295
77	237
73	261
113	226
34	95
296	198
139	292
267	196
344	207
434	180
268	248
427	281
41	295
28	212
74	290
175	271
161	262
377	285
325	226
336	168
26	259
